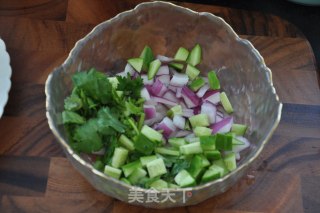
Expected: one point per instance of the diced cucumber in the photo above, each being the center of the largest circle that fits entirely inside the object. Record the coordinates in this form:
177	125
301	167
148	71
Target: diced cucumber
153	68
226	103
112	172
210	175
192	72
192	148
184	179
230	161
239	129
126	142
221	164
176	110
224	142
214	82
196	84
150	133
202	131
177	142
137	175
208	142
119	157
147	57
182	54
144	145
147	159
195	166
173	186
136	63
205	161
156	168
159	184
212	154
130	167
176	66
125	180
221	169
166	151
199	120
195	55
114	82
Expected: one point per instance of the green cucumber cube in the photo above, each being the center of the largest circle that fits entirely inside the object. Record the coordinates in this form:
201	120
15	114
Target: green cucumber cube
196	84
125	180
192	148
137	175
130	167
176	110
196	166
112	172
159	184
230	161
144	145
192	72
226	103
156	168
224	142
177	142
136	63
202	131
126	142
210	175
205	161
208	142
239	129
184	179
119	157
214	82
147	159
167	151
153	68
199	120
182	54
147	57
195	55
212	154
221	164
152	134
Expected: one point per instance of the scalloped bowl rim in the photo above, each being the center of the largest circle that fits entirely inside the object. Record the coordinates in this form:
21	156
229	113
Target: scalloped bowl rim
82	41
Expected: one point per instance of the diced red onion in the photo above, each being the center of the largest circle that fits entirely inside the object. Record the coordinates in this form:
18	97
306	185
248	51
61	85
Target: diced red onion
197	110
158	88
189	97
163	58
172	88
210	110
145	94
165	79
181	133
187	113
159	117
192	139
179	80
218	118
213	96
222	126
164	101
202	90
178	92
169	95
146	81
129	69
167	126
150	102
149	111
238	156
161	108
179	121
163	70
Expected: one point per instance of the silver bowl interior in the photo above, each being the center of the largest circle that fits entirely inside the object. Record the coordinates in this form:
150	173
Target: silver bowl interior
165	27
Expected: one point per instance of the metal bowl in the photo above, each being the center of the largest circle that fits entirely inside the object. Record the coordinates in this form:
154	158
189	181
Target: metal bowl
165	27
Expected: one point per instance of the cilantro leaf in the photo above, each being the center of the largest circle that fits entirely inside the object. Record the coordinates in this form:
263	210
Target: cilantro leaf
72	117
130	87
87	138
108	119
95	85
73	102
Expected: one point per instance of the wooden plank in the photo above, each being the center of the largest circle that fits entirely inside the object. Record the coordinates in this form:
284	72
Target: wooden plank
243	22
23	176
39	9
28	136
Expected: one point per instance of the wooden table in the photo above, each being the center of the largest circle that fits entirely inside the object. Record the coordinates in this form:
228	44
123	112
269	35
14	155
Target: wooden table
34	173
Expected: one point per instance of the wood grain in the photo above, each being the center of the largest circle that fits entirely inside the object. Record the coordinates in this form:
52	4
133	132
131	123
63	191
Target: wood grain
35	176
